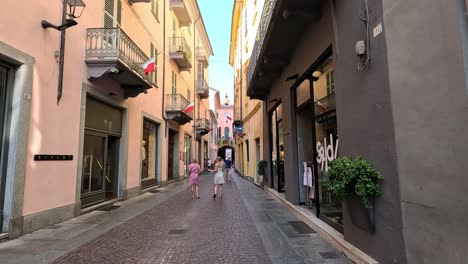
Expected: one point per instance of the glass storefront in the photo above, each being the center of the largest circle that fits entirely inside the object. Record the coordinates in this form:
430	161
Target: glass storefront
99	180
323	112
149	154
6	76
277	150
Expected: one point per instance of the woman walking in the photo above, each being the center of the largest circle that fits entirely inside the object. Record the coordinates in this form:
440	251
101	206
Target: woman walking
194	173
218	178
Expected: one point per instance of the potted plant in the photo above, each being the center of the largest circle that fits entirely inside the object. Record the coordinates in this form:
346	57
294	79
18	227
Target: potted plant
261	170
356	182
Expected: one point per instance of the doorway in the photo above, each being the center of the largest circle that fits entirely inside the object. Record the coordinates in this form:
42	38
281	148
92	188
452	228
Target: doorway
6	78
257	158
170	155
100	177
277	153
187	152
99	181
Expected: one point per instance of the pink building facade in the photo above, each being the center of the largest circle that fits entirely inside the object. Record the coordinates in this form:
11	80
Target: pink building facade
225	116
115	132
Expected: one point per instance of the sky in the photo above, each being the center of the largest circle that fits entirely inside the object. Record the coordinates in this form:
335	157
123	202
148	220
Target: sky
217	17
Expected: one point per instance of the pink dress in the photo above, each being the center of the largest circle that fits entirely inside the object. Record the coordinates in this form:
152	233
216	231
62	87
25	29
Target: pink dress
194	170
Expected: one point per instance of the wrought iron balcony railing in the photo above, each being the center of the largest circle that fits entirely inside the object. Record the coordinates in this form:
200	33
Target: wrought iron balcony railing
327	103
265	20
176	103
179	44
202	124
109	44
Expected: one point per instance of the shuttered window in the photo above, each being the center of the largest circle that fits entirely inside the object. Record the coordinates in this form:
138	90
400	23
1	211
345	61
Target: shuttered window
112	13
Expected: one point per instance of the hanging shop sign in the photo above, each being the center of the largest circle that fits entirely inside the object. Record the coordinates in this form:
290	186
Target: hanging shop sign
327	152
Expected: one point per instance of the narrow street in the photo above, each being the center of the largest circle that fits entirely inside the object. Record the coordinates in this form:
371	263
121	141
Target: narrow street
179	230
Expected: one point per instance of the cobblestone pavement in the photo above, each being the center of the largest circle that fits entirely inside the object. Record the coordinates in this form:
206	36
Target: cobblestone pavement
181	230
245	226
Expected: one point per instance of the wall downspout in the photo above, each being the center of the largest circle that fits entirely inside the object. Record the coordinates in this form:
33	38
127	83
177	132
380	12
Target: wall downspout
163	112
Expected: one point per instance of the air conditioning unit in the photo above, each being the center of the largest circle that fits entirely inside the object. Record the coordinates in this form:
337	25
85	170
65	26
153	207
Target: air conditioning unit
131	2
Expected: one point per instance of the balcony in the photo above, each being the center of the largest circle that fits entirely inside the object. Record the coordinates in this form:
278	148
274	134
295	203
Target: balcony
175	105
203	90
179	51
181	12
203	126
237	116
272	51
202	55
111	54
326	108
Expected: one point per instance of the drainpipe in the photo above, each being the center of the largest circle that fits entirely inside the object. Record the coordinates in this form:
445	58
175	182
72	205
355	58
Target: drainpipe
163	112
62	54
195	88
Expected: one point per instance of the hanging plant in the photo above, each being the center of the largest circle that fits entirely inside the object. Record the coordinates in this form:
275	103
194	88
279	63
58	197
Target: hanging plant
347	176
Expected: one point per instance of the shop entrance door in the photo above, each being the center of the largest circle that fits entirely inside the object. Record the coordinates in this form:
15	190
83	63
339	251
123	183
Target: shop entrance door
277	153
99	178
170	159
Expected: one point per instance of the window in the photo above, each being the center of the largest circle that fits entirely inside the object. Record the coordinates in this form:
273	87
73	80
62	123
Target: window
155	8
188	94
219	132
112	13
226	133
255	18
149	152
174	82
330	82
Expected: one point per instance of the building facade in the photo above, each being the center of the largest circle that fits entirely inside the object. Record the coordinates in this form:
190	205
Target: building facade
224	112
83	125
366	78
248	117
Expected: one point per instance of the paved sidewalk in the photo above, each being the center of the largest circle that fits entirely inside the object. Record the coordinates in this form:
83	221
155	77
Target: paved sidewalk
245	226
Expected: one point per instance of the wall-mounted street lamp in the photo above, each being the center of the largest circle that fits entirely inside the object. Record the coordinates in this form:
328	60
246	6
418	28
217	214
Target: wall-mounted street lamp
72	8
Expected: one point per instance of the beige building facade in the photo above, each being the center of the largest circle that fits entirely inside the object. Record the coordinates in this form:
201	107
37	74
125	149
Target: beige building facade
89	128
248	114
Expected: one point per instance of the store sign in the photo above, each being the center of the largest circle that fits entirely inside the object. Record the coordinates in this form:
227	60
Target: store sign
327	152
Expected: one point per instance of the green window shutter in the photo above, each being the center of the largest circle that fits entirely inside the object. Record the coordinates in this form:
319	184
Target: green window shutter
156	66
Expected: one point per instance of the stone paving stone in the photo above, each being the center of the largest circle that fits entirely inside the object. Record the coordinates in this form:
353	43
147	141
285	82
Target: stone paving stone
214	231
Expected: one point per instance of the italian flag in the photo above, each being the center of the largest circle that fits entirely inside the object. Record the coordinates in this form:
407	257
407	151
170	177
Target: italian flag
190	108
149	66
321	106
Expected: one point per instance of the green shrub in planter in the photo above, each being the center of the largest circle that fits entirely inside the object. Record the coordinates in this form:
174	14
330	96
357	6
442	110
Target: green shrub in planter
347	176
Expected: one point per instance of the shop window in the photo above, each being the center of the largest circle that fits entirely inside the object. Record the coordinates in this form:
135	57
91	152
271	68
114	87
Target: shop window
149	156
226	133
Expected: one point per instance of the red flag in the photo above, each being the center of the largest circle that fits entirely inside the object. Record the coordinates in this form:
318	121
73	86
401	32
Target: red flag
149	66
321	106
189	108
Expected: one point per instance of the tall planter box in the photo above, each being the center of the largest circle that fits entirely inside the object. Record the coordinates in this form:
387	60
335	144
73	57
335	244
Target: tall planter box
361	216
